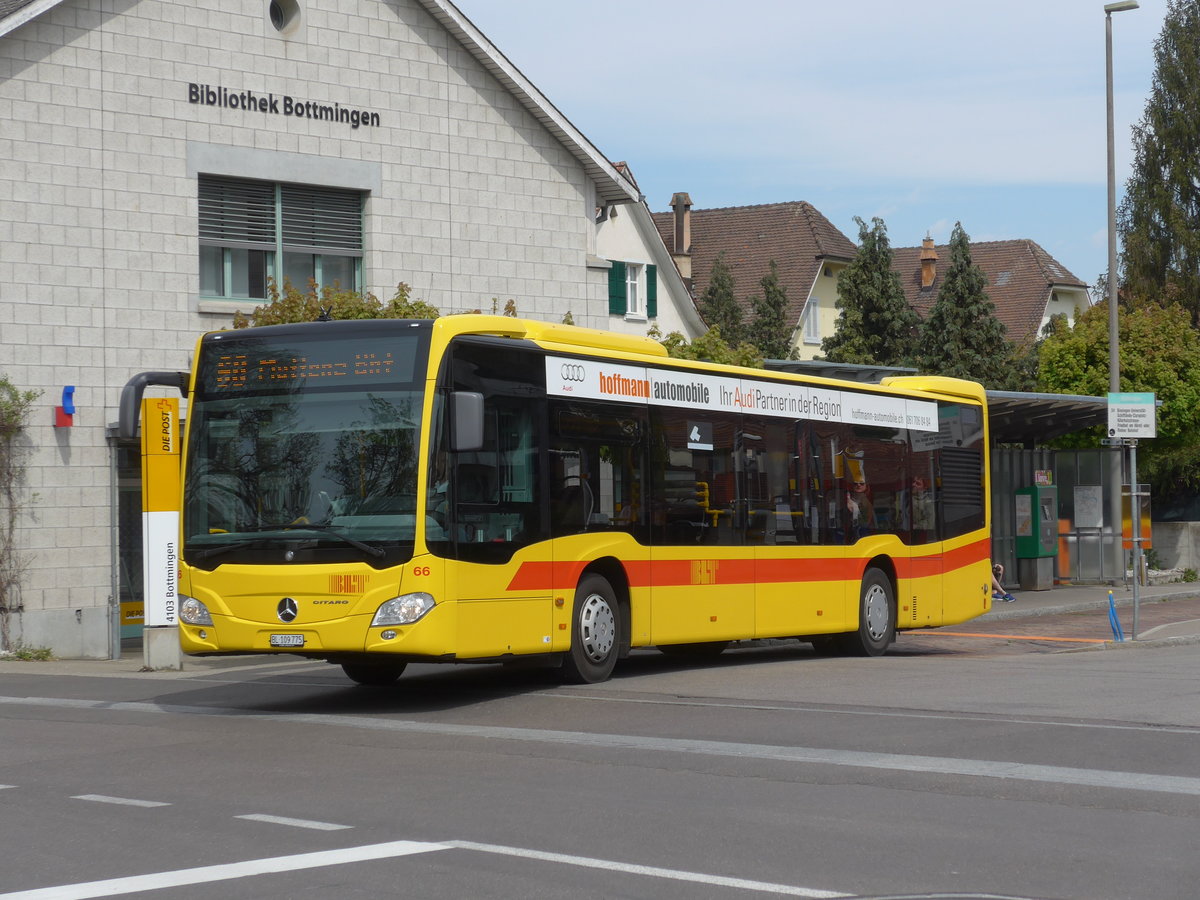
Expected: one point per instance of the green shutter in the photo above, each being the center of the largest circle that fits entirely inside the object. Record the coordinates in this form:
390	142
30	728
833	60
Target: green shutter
617	298
651	291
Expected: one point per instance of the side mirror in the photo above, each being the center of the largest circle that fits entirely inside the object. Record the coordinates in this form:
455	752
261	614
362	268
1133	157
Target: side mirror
466	421
131	397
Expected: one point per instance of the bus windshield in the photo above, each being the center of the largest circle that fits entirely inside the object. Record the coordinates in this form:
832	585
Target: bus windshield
304	452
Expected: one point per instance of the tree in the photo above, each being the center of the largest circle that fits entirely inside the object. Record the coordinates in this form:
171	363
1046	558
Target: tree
1159	220
719	304
876	326
709	346
962	336
769	331
293	305
16	408
1159	353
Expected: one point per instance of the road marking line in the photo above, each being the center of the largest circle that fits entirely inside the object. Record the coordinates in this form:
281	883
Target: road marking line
297	823
651	871
120	801
133	884
1012	637
869	713
894	762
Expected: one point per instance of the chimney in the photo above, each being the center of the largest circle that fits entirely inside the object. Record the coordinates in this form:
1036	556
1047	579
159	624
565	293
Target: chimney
681	252
928	262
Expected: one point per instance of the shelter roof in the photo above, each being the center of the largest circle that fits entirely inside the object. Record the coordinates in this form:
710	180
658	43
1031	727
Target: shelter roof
1033	419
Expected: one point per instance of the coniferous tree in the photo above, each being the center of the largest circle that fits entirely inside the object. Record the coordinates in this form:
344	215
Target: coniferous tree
1159	219
876	326
962	336
769	330
719	304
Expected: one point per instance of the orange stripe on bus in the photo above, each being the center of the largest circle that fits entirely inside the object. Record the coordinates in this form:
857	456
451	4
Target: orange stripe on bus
545	576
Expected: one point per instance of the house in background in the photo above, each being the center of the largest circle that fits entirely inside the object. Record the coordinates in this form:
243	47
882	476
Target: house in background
1026	284
808	250
645	287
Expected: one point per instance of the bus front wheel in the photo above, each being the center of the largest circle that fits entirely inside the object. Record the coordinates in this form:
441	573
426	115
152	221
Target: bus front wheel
594	630
876	617
373	675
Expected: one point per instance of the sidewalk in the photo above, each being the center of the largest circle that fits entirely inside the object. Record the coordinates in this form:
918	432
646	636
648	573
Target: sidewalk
1182	629
1071	598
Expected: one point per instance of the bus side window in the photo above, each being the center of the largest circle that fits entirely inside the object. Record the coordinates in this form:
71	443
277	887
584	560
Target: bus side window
595	458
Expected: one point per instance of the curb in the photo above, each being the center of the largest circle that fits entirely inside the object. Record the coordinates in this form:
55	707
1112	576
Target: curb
1182	640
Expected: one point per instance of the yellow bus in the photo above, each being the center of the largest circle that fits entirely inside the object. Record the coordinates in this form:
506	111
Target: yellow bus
483	488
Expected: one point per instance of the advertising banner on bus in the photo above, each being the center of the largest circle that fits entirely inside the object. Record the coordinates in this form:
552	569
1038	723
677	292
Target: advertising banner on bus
593	380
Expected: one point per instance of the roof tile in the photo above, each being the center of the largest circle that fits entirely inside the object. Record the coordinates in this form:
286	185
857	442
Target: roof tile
1020	278
795	235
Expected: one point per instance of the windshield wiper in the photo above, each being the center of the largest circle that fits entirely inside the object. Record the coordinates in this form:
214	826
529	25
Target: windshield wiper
217	550
377	552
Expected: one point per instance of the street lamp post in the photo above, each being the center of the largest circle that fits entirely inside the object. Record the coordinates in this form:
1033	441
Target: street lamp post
1114	359
1114	355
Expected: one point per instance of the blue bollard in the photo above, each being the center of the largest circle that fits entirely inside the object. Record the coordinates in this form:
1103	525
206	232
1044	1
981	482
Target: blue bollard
1118	634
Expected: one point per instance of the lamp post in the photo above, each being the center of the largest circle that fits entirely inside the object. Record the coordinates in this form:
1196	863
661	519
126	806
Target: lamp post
1114	351
1114	358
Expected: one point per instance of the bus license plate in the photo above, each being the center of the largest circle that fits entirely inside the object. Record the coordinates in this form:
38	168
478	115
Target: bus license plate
287	640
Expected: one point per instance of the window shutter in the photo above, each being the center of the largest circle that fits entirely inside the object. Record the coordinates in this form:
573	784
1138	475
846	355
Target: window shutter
616	289
651	291
320	220
237	214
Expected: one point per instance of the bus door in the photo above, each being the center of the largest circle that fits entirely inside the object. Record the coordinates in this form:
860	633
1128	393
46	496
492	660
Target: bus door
874	501
797	527
494	520
597	511
702	571
961	468
922	603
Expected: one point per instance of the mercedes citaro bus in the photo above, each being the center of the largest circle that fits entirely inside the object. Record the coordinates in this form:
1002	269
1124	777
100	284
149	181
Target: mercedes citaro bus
483	488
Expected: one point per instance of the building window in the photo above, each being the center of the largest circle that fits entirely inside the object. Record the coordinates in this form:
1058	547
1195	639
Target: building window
812	321
633	296
628	294
254	230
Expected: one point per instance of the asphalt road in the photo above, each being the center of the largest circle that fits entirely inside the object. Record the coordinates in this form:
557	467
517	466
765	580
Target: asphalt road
986	767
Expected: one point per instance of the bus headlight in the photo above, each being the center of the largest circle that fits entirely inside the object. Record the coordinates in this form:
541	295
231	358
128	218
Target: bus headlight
403	610
194	612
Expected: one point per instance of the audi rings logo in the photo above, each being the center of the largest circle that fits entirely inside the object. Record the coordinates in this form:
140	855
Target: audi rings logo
571	372
287	610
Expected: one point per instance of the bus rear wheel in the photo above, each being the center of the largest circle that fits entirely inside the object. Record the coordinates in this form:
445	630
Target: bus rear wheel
876	617
594	630
374	674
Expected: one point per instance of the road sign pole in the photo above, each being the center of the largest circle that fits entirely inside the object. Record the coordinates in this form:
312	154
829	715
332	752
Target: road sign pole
1132	416
1135	515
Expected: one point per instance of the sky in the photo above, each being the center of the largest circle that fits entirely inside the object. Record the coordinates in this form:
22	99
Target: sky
922	114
